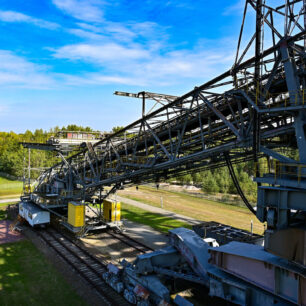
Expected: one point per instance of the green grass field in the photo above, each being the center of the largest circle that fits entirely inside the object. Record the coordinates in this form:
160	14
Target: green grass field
27	278
3	214
4	205
200	209
10	187
156	221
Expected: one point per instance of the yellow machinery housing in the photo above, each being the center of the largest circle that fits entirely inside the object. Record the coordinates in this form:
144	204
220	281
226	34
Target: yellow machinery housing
76	214
28	188
111	210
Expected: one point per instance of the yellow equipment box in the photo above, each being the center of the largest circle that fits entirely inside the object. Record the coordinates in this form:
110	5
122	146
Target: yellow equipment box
28	188
76	214
111	210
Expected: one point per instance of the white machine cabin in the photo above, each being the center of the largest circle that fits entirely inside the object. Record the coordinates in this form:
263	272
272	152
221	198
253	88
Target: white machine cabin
33	214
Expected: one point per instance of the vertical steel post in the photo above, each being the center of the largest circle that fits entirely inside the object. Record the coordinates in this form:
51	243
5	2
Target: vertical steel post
24	171
256	81
100	204
304	3
143	104
286	19
29	167
258	40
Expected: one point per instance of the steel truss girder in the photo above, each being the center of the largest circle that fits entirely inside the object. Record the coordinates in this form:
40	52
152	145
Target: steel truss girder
195	130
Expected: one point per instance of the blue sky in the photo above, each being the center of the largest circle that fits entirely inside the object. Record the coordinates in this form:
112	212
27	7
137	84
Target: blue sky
61	60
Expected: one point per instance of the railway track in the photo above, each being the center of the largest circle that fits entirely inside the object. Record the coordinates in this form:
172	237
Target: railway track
135	244
89	267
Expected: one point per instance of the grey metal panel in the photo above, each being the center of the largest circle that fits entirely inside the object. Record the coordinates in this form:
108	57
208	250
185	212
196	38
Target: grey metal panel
286	198
233	289
192	248
258	253
166	257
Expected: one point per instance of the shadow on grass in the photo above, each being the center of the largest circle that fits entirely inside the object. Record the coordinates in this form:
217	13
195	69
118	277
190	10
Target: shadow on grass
3	214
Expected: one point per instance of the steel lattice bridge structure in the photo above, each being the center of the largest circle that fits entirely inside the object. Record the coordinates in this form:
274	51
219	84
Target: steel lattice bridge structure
255	109
252	110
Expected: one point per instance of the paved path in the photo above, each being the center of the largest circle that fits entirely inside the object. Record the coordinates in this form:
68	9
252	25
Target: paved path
158	210
9	200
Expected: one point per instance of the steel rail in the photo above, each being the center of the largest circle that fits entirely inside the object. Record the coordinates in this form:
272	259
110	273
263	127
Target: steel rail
135	244
80	259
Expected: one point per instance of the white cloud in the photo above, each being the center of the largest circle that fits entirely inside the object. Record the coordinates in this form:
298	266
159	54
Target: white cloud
87	10
122	32
133	64
101	79
130	53
11	16
148	28
3	108
100	54
235	9
86	34
17	71
89	27
119	31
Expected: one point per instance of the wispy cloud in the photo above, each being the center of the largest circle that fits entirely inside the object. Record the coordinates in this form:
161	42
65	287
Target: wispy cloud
101	54
100	79
88	35
12	16
123	32
86	10
129	53
17	71
3	108
235	8
134	64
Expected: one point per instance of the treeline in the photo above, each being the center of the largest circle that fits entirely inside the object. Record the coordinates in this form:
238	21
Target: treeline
13	157
219	180
70	127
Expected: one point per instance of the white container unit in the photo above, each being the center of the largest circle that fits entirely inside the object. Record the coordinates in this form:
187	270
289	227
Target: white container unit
33	213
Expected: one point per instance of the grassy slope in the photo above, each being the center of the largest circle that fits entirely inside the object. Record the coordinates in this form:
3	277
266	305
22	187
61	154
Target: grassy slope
200	209
9	187
156	221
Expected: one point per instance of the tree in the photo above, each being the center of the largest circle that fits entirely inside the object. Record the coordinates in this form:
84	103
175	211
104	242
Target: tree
75	128
116	129
209	183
